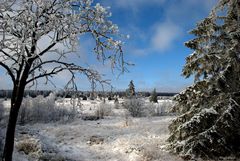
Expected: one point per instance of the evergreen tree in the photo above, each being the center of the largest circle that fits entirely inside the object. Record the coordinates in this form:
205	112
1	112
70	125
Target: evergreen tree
209	125
130	92
153	97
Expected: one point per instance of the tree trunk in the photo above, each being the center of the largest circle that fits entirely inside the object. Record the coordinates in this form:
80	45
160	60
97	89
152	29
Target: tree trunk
16	101
9	141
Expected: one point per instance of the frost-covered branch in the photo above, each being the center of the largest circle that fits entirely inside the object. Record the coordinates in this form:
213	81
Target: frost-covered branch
62	66
32	30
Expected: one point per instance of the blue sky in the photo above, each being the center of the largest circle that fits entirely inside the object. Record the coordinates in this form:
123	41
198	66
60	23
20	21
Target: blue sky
158	30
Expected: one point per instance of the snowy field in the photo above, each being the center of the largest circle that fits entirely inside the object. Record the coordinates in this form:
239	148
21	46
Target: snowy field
117	137
103	140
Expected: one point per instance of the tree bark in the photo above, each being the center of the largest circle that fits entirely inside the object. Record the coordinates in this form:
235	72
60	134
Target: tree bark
16	101
9	141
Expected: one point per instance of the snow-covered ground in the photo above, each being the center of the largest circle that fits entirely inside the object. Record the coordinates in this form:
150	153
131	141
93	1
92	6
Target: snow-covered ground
114	138
103	140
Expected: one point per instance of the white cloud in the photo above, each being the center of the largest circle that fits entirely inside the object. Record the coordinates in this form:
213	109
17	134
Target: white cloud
183	13
163	38
165	35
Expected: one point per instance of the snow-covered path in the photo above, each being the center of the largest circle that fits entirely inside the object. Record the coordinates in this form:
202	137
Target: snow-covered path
108	139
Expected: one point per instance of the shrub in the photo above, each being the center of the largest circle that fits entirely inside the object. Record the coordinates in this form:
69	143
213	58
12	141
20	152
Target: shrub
134	106
110	98
103	110
149	109
163	107
84	98
45	110
116	103
150	152
116	100
29	146
127	118
34	149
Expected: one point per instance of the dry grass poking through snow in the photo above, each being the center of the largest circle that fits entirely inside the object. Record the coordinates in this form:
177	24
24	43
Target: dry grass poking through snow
110	139
116	137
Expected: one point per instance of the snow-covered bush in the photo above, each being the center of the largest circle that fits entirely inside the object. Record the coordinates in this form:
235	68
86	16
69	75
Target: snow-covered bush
157	109
127	118
42	109
32	148
116	103
29	146
103	109
149	109
150	152
134	106
163	107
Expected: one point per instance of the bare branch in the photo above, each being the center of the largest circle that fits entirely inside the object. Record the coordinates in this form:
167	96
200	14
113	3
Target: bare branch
53	72
9	56
71	67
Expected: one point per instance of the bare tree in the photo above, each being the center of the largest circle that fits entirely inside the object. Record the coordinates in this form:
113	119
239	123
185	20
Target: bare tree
32	36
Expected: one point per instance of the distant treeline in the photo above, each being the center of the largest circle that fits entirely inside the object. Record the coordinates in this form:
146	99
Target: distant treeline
62	93
32	93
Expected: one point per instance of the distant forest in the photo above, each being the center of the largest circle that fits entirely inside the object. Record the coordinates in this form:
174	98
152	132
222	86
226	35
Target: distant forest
68	94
